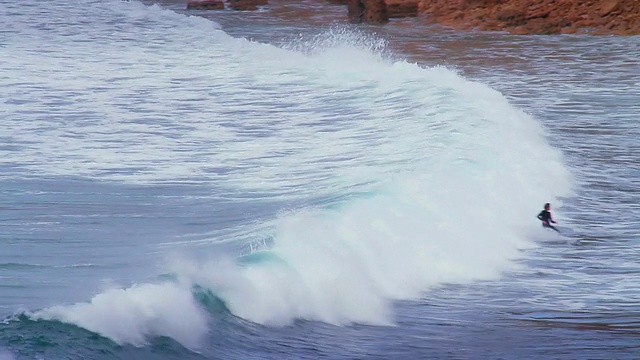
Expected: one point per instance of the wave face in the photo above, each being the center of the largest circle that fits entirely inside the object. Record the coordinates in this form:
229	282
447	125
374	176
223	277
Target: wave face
392	178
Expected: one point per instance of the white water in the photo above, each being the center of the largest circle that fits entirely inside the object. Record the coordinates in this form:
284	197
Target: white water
147	96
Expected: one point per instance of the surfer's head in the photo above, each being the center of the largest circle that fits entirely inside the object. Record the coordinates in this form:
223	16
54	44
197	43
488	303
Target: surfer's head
547	206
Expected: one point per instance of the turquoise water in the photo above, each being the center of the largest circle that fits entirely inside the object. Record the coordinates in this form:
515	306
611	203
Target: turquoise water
170	189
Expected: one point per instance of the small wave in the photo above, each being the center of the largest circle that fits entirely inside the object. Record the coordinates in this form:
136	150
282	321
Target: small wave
20	266
25	266
80	265
584	322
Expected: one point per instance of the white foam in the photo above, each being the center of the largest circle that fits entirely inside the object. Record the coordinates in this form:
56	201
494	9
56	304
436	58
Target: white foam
349	264
457	175
131	315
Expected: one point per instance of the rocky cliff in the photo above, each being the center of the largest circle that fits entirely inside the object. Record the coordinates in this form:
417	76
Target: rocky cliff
516	16
621	17
537	16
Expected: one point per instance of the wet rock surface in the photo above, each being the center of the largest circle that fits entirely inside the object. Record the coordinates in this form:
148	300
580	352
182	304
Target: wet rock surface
620	17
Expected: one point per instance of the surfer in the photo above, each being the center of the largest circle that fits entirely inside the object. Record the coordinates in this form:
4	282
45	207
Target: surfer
545	217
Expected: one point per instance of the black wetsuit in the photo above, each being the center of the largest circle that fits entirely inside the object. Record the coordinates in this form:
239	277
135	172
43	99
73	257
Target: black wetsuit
545	217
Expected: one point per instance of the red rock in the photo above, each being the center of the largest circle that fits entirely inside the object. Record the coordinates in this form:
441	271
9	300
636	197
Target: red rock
402	8
511	16
205	5
368	11
607	7
515	16
480	3
355	9
537	16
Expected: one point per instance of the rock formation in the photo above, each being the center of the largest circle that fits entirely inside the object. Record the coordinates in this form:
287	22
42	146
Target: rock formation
205	5
515	16
402	8
368	11
537	16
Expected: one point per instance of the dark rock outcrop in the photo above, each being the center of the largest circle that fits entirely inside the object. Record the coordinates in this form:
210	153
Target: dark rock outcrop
368	11
402	8
515	16
205	5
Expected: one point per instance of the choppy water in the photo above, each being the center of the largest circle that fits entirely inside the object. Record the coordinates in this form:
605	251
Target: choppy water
170	189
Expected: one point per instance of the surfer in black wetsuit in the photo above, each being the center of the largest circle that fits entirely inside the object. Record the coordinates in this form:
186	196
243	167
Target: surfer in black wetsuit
545	217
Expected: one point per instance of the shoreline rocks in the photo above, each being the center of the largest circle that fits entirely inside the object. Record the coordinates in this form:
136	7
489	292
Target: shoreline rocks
205	5
619	17
598	17
380	11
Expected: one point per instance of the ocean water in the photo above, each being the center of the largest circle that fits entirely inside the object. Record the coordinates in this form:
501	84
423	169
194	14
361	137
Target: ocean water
283	185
